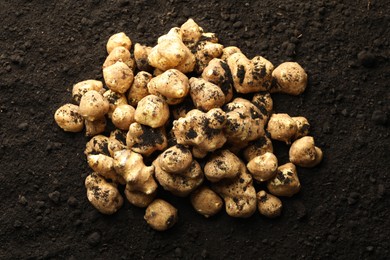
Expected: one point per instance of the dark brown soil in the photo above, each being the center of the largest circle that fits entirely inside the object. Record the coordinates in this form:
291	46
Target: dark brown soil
343	209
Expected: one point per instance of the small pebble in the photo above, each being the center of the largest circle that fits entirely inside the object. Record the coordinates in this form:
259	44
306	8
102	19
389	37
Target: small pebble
379	117
73	202
23	126
94	239
22	200
55	196
367	59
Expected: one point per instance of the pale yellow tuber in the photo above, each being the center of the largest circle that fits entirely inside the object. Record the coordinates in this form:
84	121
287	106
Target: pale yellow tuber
118	39
152	111
282	127
223	164
304	153
104	196
269	206
69	118
139	88
290	79
206	202
286	181
83	87
123	116
263	167
118	77
93	106
160	215
206	95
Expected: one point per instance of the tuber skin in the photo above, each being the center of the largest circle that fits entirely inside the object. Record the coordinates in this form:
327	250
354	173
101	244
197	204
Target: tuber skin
263	167
250	76
205	52
83	87
282	127
269	206
141	53
244	122
206	95
286	182
122	54
206	202
137	175
104	196
160	215
145	140
223	164
304	153
138	198
290	79
263	101
238	193
97	145
218	72
104	166
171	53
229	51
118	77
139	88
180	184
116	40
93	106
95	127
175	159
114	99
191	33
172	84
258	147
116	141
202	131
123	116
303	126
69	118
152	111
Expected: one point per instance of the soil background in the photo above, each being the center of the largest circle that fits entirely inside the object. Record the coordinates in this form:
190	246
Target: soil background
342	211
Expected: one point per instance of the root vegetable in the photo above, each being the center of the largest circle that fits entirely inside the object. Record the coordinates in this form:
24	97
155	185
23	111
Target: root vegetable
131	167
285	182
141	53
83	87
205	52
116	141
104	196
263	167
171	53
282	127
179	183
258	147
160	215
304	153
229	51
250	75
303	126
206	95
175	159
145	140
122	54
152	111
114	99
118	77
222	165
104	166
95	127
269	205
264	103
218	72
172	84
139	88
97	145
290	78
123	116
201	130
191	33
206	202
139	199
118	39
93	106
69	118
238	193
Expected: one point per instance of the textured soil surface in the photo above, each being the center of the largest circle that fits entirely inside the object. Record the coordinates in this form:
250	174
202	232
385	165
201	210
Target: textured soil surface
342	211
